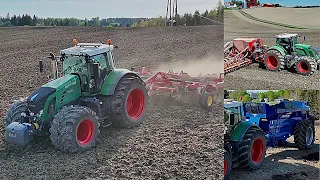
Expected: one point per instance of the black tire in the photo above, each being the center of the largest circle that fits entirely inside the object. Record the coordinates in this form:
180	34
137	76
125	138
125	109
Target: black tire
15	110
129	88
301	132
227	164
207	100
245	159
306	66
67	125
274	60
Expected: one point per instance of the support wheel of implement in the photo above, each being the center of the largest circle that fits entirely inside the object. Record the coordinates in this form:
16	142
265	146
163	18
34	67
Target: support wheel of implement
15	110
227	164
252	149
306	65
129	102
207	100
304	134
74	129
274	61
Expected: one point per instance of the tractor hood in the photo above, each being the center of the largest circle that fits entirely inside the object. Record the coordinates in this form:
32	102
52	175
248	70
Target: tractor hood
38	99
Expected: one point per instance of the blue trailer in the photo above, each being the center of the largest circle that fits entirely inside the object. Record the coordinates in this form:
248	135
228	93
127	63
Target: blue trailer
252	127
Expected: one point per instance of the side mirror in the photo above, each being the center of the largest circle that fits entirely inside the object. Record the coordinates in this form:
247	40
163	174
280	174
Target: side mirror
116	47
41	66
52	56
132	68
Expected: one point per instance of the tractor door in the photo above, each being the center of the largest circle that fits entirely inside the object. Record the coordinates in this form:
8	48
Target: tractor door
101	67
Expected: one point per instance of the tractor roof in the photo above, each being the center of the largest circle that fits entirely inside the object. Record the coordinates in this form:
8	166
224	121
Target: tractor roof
286	35
232	104
90	49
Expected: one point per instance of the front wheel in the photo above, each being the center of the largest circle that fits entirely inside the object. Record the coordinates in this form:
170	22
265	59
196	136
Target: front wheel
227	164
252	149
129	103
305	66
74	129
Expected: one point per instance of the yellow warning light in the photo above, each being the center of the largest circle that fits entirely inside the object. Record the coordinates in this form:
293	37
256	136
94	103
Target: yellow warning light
74	41
109	41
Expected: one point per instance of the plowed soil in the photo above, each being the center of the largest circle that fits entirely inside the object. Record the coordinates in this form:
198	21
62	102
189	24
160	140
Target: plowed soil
177	140
253	77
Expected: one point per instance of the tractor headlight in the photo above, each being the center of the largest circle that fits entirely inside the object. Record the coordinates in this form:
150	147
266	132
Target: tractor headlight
41	112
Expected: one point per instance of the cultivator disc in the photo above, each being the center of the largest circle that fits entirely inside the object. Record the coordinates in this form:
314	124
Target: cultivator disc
234	60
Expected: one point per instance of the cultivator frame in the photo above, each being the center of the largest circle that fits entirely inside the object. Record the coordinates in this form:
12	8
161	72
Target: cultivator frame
177	85
242	52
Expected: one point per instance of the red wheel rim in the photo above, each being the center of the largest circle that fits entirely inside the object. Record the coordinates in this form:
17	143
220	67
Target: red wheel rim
135	104
225	167
85	131
303	67
272	62
257	151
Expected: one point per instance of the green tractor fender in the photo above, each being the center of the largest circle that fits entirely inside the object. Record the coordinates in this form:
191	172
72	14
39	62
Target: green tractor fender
238	132
111	80
280	49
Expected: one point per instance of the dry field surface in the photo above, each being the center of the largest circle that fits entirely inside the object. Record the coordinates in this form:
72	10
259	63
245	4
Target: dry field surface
301	17
286	163
253	77
177	140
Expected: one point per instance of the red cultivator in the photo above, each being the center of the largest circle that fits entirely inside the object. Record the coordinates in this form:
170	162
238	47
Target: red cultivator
181	85
241	52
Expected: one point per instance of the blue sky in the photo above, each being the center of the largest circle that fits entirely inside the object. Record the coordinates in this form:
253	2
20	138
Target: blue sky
101	8
293	2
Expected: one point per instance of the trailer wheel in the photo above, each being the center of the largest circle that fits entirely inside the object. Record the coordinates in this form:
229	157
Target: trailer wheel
274	61
227	164
304	134
74	129
129	103
15	110
305	65
207	100
252	149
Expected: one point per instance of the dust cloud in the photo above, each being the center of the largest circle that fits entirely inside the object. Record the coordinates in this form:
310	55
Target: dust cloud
207	65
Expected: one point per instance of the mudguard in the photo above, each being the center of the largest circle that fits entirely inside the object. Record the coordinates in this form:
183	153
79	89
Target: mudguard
112	79
238	132
278	48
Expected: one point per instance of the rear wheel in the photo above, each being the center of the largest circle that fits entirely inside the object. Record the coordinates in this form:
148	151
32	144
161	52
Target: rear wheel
305	65
227	164
129	102
304	134
207	100
274	61
252	149
15	110
74	129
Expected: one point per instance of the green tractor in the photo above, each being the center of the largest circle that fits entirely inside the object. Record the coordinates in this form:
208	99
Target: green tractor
245	143
288	53
88	91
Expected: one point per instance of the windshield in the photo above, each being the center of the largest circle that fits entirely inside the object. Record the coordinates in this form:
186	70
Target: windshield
73	64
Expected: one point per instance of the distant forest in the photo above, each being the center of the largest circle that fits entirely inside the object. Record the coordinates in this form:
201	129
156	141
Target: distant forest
188	19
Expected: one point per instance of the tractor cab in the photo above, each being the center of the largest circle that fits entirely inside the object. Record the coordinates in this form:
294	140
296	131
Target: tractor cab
91	62
233	114
287	41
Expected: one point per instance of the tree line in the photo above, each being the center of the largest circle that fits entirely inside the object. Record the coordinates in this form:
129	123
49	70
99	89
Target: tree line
27	20
311	96
188	19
